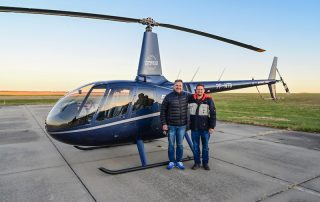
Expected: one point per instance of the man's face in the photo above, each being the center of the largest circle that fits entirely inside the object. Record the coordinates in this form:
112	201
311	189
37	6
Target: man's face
177	87
200	90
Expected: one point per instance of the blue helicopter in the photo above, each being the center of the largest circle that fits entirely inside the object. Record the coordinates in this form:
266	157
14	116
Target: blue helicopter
112	113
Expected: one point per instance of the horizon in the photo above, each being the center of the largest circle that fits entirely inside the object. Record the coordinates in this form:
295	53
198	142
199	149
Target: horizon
49	53
34	93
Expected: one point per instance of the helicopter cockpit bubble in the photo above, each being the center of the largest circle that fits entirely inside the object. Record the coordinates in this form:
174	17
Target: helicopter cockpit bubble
76	108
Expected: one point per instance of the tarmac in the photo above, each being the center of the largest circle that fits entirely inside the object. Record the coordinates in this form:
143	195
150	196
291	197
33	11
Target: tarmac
248	163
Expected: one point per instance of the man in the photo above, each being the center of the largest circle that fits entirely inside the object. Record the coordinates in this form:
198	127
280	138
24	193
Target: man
202	124
173	114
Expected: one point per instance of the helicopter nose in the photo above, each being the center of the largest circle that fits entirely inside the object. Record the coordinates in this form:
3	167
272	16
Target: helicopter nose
60	120
57	126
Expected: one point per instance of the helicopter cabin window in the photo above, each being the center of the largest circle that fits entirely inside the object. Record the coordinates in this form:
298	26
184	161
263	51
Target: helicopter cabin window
117	104
143	100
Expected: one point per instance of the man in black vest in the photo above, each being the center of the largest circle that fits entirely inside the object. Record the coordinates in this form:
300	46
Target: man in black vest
174	117
202	123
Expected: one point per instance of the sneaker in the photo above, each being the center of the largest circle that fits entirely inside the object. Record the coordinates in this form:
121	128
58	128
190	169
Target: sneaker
206	167
180	165
195	167
170	166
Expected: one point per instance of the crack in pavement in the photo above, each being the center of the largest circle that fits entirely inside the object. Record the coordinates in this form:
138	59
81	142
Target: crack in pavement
55	146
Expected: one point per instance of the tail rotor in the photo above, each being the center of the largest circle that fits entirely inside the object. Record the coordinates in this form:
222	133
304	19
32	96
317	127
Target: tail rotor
283	83
272	76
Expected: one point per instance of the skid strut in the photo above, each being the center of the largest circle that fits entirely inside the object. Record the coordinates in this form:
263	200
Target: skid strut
101	147
143	159
88	148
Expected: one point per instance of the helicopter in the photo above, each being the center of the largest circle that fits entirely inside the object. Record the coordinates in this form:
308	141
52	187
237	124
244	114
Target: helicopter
113	113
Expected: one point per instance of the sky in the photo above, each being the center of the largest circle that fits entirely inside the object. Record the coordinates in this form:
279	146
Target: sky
41	53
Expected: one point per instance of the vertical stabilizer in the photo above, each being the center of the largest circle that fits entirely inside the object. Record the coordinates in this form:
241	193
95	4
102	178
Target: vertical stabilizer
273	69
272	76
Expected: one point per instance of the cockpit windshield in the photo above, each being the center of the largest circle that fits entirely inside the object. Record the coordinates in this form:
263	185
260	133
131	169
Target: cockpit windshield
76	108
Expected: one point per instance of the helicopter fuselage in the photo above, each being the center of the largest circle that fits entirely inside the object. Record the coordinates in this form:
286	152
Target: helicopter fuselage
104	113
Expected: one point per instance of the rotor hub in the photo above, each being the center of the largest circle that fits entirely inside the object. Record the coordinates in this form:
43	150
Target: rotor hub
149	22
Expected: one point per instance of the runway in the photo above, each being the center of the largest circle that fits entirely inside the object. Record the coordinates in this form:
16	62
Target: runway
249	163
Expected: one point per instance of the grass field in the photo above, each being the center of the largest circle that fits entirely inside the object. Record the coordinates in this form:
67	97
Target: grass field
295	112
7	100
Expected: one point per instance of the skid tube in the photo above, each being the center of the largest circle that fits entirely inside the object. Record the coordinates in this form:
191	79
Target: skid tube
143	159
137	168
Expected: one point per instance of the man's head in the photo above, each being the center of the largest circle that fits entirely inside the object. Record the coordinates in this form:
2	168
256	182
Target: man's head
200	90
178	86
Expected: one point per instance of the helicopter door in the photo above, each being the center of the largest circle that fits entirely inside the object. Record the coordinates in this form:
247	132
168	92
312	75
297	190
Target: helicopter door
144	104
115	109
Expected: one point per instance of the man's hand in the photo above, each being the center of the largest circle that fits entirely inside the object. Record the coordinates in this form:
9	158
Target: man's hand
165	127
211	130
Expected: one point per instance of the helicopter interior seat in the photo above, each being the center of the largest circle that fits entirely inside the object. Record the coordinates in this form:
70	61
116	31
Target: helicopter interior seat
143	102
124	109
139	103
116	111
120	110
150	102
109	113
104	115
100	116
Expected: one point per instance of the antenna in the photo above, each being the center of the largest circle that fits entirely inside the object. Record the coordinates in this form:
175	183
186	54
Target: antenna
221	74
178	73
195	73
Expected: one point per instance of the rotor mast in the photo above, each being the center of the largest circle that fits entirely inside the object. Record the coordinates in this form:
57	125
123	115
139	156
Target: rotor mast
149	69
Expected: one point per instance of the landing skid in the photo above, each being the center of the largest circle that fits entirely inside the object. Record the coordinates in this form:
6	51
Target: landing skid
143	159
137	168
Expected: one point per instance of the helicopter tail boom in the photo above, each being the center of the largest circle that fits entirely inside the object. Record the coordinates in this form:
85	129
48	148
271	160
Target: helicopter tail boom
220	86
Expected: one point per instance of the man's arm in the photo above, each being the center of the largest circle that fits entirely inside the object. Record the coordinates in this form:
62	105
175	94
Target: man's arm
163	111
212	110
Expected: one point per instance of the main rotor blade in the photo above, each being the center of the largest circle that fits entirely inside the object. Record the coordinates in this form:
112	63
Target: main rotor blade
67	13
211	36
148	21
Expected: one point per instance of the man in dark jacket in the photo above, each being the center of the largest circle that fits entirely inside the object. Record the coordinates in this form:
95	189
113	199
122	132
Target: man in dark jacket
202	123
173	114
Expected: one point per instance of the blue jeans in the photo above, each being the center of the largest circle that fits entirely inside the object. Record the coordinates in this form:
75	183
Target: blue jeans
205	136
176	133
